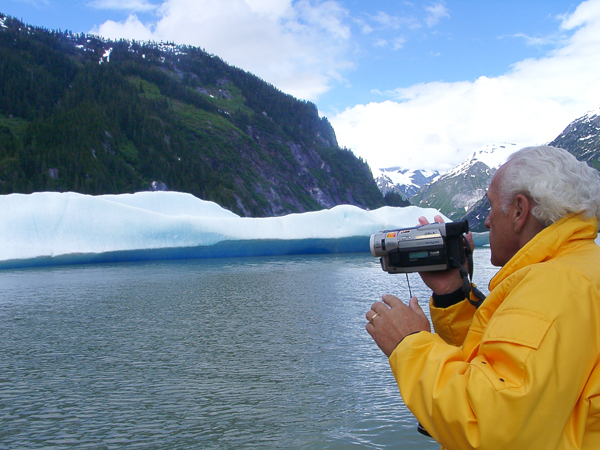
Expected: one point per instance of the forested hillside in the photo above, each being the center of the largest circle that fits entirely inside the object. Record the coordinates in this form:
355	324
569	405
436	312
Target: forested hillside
78	113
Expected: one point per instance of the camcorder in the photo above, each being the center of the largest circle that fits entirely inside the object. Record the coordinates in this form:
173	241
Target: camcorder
425	248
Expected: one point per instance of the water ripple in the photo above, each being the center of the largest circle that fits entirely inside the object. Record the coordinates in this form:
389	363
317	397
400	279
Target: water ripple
222	354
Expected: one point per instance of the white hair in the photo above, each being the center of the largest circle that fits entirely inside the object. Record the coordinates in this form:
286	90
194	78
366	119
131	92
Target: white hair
555	180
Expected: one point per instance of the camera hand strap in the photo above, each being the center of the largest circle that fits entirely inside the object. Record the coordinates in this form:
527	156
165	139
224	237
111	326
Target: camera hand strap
467	277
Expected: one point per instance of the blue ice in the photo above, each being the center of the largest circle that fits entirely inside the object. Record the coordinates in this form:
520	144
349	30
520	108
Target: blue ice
50	228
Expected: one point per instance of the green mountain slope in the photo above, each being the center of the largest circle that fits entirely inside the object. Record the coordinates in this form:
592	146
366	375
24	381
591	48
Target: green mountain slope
78	113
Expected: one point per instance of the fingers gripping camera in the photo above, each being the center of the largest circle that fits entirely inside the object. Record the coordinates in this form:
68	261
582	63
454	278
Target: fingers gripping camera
426	248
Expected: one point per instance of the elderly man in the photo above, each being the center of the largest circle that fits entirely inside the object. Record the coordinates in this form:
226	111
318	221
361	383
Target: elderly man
523	370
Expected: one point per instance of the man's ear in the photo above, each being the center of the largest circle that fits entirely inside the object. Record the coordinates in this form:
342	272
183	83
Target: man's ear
521	212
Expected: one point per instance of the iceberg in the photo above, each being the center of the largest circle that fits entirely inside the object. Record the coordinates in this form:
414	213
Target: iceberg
50	228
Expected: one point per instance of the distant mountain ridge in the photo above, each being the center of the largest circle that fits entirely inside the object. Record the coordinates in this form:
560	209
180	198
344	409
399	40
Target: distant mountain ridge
402	181
84	114
460	192
455	192
581	138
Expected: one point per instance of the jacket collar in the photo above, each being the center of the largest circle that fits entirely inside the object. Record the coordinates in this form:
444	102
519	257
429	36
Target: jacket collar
548	243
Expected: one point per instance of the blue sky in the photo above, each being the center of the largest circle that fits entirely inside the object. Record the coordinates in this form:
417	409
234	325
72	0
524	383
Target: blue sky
417	84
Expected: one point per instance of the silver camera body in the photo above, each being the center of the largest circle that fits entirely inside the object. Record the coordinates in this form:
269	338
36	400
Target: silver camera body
425	248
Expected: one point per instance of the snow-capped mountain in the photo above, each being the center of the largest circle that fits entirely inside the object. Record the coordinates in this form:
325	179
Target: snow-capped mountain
460	192
582	138
402	181
492	155
457	190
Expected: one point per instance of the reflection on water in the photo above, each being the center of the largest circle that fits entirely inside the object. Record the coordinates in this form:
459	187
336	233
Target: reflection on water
215	354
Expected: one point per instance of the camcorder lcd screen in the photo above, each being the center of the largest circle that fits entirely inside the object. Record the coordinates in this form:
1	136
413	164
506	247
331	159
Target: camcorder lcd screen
418	255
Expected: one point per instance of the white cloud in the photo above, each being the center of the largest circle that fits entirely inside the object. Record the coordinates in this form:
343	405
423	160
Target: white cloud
395	44
399	42
383	21
435	13
36	3
363	25
123	5
380	43
132	28
535	40
437	125
273	8
299	46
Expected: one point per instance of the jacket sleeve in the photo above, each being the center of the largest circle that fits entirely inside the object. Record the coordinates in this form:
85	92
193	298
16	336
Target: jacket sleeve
507	392
452	323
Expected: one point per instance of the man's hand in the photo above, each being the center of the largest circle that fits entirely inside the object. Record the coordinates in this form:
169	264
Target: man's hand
446	281
391	321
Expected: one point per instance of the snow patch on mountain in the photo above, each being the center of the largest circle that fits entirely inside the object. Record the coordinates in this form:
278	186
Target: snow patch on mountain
409	182
492	155
403	181
455	192
591	116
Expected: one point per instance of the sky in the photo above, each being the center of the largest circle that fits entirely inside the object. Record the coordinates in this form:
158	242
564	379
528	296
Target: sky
411	84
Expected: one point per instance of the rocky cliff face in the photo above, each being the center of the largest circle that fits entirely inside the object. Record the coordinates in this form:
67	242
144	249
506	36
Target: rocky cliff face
582	139
477	215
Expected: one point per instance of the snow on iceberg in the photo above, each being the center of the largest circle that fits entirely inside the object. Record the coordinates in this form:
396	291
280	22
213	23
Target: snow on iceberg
65	228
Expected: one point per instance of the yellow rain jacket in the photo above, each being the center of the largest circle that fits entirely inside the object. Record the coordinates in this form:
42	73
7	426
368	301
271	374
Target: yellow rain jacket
522	371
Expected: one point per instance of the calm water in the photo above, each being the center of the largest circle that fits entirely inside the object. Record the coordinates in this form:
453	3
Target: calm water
206	354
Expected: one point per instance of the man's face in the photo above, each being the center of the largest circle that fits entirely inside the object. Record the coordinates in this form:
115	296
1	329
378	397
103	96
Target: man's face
503	241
